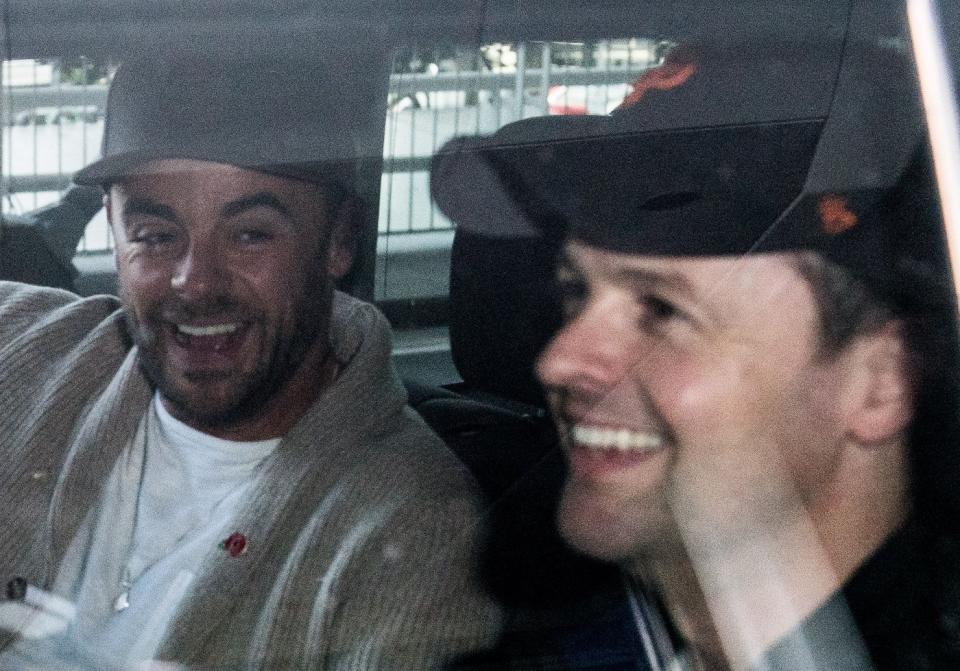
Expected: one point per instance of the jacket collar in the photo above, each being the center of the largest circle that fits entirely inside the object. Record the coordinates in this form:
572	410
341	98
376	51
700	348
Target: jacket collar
299	479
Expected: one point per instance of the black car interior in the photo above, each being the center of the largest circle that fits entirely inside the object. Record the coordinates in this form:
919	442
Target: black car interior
503	311
38	248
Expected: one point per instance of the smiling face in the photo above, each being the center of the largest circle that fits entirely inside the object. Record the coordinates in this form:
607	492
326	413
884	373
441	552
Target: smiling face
227	277
693	400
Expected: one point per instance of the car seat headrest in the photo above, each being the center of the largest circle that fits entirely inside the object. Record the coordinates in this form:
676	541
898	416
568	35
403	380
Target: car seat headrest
504	309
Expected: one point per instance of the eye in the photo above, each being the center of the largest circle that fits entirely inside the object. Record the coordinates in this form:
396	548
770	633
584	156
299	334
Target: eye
154	237
254	236
658	312
659	308
254	230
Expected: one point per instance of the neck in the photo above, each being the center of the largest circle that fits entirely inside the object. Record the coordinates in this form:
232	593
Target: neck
734	607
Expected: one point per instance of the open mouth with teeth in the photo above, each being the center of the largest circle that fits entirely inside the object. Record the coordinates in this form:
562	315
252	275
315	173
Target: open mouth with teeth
603	451
215	339
622	440
214	330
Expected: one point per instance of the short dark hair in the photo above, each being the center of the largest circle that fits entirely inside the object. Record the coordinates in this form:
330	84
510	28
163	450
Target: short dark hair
847	307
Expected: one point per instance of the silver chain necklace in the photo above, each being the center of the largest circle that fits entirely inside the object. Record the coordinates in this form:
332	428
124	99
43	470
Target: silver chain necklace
129	575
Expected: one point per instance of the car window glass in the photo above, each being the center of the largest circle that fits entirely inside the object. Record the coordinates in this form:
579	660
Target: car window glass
53	125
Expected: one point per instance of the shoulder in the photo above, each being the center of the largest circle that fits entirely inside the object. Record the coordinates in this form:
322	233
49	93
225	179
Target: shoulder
396	445
25	307
416	470
49	329
366	432
394	532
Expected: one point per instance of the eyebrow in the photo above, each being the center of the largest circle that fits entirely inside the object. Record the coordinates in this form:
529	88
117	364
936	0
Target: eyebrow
634	277
678	283
147	207
647	276
262	199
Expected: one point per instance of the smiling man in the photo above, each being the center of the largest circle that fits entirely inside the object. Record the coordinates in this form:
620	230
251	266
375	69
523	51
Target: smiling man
754	383
220	469
224	272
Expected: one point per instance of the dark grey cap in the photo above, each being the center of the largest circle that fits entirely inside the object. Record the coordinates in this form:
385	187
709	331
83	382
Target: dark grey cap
304	117
851	181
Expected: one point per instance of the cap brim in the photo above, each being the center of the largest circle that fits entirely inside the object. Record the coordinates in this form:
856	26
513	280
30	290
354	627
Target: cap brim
470	188
661	192
115	168
112	168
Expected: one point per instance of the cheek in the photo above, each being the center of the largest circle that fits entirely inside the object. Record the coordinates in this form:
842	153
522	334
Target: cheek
692	393
812	418
142	287
698	392
284	288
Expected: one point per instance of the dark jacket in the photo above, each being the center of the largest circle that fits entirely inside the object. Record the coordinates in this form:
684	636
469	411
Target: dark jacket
899	612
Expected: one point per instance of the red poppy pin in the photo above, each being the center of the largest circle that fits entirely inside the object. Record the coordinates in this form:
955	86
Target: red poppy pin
235	544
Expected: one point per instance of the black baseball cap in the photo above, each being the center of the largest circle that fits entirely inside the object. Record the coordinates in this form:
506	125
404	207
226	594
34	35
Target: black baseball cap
305	117
848	176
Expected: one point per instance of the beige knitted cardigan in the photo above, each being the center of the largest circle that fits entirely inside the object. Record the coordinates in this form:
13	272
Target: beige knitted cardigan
361	526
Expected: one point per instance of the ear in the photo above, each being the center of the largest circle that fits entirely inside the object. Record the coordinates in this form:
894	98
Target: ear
881	389
342	246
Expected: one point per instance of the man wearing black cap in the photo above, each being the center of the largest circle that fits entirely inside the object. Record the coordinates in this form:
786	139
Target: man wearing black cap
220	470
754	383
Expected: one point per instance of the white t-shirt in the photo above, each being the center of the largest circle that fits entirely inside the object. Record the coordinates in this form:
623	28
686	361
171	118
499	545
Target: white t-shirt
186	493
191	482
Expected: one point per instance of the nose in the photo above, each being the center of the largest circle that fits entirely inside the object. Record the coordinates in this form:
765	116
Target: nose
199	272
590	354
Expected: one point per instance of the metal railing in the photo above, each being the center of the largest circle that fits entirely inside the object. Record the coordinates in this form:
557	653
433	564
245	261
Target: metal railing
425	109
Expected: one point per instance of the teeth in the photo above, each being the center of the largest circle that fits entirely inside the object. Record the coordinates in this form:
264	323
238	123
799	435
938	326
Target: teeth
215	330
619	439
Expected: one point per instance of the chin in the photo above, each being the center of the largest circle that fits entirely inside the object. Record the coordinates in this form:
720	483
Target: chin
211	403
595	528
199	410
